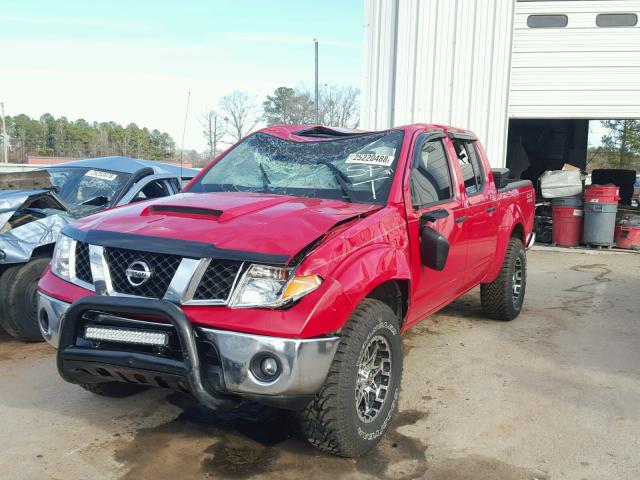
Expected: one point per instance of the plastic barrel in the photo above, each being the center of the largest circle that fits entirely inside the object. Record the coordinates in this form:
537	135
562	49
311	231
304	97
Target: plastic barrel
628	232
574	201
607	194
567	215
599	223
628	237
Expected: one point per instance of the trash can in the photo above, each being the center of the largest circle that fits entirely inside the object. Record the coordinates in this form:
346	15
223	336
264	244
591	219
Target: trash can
567	214
600	208
628	232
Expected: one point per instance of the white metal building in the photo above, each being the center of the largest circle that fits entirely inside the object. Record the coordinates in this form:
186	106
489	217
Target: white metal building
531	72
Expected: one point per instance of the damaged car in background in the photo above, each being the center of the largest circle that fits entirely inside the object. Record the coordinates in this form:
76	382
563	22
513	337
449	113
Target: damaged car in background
36	205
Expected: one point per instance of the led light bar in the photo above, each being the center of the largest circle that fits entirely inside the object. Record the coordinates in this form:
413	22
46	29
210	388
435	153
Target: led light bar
123	335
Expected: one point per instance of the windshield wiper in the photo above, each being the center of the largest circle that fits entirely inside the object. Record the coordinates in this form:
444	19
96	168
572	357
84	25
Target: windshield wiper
340	177
265	178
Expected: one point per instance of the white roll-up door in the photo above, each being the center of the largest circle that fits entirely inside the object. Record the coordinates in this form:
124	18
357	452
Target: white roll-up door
581	70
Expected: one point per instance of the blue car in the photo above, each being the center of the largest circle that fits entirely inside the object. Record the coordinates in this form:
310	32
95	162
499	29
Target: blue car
36	205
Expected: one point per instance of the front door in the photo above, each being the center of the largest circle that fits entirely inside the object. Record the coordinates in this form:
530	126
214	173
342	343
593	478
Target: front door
434	191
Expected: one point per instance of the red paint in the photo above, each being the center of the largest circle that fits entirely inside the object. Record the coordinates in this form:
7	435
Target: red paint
374	244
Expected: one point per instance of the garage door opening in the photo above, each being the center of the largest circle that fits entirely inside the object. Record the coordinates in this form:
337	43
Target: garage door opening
537	145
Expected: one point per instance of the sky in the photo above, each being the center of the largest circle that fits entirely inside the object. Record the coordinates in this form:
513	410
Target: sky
135	61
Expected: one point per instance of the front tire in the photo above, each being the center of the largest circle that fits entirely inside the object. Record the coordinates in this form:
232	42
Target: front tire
355	405
502	299
18	300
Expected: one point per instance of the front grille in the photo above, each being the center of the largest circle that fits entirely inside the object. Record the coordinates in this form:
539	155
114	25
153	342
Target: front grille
217	280
83	264
162	267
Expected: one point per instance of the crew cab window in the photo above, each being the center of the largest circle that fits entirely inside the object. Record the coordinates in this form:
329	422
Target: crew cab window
431	177
470	165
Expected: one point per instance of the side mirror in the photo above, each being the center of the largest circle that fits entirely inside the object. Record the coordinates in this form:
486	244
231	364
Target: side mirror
434	248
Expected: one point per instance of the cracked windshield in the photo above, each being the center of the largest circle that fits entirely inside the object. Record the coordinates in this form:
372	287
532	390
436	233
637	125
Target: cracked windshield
356	168
86	190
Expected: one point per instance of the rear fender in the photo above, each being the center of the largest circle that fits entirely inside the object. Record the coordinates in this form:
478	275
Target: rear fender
510	223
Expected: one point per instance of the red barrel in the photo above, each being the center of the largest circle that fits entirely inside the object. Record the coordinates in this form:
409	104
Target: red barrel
606	194
567	217
628	232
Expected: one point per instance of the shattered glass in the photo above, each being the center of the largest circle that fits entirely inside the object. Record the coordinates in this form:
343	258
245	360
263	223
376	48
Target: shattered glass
267	164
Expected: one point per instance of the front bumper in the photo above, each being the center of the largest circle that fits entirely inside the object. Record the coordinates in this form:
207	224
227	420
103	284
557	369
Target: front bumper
304	363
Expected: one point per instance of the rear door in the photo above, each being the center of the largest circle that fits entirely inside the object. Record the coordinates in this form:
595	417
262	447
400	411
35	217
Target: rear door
480	209
434	191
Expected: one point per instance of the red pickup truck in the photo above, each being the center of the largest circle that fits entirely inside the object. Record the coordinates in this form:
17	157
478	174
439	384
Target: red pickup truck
287	272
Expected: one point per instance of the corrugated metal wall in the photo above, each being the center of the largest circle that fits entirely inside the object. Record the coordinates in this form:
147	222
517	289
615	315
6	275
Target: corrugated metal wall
580	71
440	61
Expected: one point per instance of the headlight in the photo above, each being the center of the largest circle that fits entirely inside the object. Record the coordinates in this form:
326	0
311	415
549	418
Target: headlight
62	257
265	286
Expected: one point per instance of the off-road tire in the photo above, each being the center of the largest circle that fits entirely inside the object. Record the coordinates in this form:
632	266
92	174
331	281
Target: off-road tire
18	301
114	389
497	297
331	421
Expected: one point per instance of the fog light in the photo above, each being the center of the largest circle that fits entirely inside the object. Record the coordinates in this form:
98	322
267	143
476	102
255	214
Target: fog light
269	366
265	367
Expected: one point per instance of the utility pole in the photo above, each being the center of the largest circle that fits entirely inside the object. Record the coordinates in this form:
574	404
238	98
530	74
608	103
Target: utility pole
184	129
4	134
315	41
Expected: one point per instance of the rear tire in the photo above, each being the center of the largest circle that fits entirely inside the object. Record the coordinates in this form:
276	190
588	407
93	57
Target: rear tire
355	405
502	299
113	389
18	299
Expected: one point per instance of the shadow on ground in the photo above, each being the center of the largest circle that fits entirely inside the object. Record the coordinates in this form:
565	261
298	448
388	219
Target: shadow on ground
254	440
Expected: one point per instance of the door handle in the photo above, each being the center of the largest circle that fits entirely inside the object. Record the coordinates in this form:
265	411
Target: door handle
491	209
434	215
461	219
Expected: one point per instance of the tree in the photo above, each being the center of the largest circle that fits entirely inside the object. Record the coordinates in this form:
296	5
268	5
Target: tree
241	113
289	107
213	129
60	137
624	139
339	106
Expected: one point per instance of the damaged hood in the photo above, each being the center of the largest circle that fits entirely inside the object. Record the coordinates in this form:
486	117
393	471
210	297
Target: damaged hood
12	200
22	230
251	222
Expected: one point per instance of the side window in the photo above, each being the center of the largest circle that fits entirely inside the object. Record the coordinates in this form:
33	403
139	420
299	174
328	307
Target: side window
155	189
476	163
470	165
431	178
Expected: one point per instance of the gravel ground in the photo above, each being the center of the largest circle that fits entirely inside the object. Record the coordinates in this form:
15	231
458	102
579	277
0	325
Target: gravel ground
555	394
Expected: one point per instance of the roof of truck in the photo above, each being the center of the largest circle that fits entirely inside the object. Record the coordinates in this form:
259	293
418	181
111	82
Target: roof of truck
314	133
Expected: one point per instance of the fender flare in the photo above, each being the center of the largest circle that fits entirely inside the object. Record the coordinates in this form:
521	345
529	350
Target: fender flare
363	272
510	222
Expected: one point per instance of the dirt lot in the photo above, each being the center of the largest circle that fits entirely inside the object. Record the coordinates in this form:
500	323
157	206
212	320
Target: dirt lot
554	394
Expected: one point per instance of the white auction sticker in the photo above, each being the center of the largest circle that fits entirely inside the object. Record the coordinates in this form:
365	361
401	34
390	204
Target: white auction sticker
101	175
371	159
